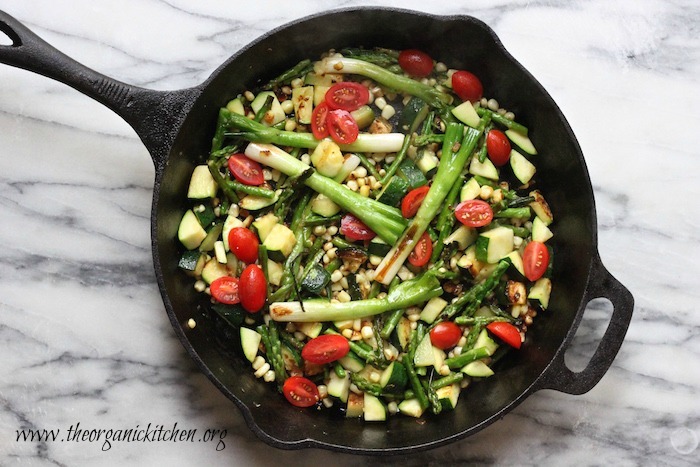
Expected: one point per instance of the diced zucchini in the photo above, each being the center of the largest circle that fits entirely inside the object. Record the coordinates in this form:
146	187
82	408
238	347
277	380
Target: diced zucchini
439	358
522	141
463	236
469	262
235	106
477	369
192	261
250	342
352	362
470	190
206	215
202	184
378	247
291	358
212	237
279	242
356	404
343	324
516	269
263	225
523	169
275	114
303	99
213	270
432	309
424	353
494	244
427	162
484	340
327	158
485	169
448	396
403	332
190	232
230	223
394	378
374	409
324	206
466	113
541	291
339	387
411	407
364	116
320	93
274	272
484	312
541	207
540	231
394	191
220	252
316	279
413	175
515	292
310	329
256	203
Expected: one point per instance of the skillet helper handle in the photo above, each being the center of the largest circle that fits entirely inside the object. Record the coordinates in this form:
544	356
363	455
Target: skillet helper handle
601	285
154	115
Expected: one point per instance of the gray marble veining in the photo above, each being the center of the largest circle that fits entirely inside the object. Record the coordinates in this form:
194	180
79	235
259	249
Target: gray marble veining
83	334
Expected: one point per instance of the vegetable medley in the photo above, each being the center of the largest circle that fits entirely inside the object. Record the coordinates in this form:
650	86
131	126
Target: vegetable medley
370	232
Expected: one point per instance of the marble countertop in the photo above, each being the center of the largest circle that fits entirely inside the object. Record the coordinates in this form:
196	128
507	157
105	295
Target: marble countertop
83	333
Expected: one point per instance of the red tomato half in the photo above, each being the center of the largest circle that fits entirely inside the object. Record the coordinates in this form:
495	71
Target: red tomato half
347	95
498	147
474	213
467	86
225	290
445	335
535	260
342	127
319	127
244	244
416	63
245	170
300	392
412	201
354	229
422	251
253	288
505	332
325	348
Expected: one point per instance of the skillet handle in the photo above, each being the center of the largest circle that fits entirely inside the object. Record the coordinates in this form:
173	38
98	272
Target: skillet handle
154	115
601	285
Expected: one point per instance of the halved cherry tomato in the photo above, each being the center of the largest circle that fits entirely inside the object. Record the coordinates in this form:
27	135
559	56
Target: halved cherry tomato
422	251
342	127
347	95
319	127
225	289
412	201
244	244
506	332
355	229
474	213
535	260
300	392
245	170
445	335
498	147
325	348
416	63
467	86
253	288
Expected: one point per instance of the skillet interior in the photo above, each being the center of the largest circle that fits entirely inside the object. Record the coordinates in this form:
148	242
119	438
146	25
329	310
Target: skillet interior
562	176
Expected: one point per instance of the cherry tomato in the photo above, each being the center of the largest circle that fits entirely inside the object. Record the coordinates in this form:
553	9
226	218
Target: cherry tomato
342	127
416	63
422	251
412	201
300	392
244	244
253	288
535	260
467	86
319	126
354	229
445	335
325	348
474	213
498	147
505	332
225	290
245	170
347	95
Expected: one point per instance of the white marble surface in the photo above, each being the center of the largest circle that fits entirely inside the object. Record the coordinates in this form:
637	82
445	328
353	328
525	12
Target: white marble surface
83	334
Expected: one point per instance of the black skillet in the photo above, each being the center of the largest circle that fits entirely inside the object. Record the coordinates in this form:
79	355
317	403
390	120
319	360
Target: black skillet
177	126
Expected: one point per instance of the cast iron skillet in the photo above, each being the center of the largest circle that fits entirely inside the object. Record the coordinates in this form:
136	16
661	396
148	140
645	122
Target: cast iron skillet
176	127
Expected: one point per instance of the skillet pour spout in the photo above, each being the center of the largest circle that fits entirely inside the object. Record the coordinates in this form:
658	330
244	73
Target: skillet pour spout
176	127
